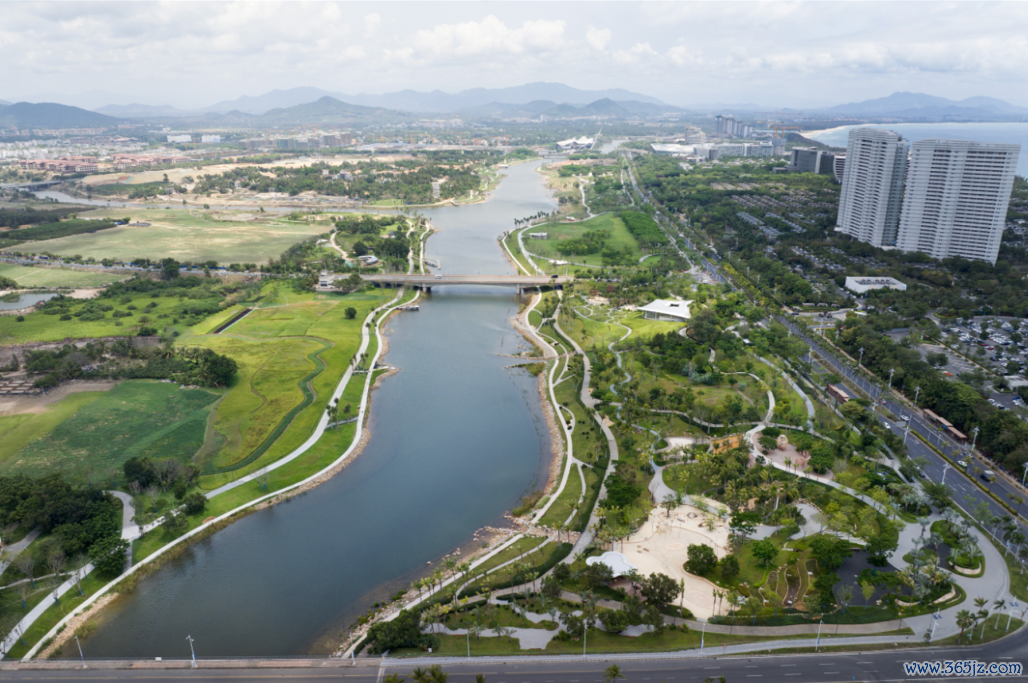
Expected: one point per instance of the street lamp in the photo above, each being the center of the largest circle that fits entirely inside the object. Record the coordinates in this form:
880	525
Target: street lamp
860	361
891	370
944	469
917	391
83	657
1025	474
191	650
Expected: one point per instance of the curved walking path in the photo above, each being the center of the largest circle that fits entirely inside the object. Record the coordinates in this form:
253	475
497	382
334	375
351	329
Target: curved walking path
366	329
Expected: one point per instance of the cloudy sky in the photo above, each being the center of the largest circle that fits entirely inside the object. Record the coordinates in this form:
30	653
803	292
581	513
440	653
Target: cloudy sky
193	54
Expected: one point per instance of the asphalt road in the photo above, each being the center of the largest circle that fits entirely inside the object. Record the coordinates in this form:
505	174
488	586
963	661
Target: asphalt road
824	667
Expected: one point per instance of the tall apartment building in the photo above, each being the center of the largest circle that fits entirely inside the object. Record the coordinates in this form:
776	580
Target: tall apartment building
730	127
956	198
872	187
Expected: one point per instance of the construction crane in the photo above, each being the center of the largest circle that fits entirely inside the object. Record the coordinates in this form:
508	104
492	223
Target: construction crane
776	128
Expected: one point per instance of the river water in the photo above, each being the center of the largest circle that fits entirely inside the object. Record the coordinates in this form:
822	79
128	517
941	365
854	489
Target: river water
456	439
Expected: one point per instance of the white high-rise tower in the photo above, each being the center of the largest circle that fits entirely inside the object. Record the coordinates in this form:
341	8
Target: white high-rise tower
872	187
956	200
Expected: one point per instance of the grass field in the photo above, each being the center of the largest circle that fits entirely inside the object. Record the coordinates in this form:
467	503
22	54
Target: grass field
294	339
620	238
102	430
186	235
38	327
57	277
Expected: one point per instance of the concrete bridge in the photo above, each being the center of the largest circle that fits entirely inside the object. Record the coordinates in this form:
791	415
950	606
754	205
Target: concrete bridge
38	185
427	282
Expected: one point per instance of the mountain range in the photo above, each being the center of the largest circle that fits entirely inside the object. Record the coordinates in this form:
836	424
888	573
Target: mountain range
435	101
51	115
909	104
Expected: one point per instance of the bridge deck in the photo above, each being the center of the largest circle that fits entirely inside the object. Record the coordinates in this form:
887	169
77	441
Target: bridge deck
440	280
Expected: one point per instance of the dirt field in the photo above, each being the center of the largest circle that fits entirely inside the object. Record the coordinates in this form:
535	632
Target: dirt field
15	405
187	235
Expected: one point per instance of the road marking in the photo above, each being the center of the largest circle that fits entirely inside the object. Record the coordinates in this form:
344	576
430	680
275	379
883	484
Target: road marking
793	674
788	665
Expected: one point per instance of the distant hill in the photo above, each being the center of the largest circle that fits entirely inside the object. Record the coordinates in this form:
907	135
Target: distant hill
908	104
140	111
276	99
434	101
601	107
4	103
328	110
49	115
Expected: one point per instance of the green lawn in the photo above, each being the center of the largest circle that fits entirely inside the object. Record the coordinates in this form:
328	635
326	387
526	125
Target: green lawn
276	344
620	239
39	326
99	431
23	428
27	276
568	500
186	235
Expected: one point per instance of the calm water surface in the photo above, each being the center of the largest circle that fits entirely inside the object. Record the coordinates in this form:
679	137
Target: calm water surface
25	300
457	439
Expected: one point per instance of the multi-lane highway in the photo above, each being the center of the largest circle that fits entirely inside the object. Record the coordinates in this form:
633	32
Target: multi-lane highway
823	667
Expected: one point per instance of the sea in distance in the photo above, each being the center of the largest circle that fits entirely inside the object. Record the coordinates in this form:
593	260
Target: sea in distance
1016	133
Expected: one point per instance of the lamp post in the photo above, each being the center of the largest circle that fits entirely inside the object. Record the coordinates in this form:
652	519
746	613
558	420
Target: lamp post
1024	475
891	370
703	633
974	438
917	392
944	469
860	360
818	643
191	650
83	658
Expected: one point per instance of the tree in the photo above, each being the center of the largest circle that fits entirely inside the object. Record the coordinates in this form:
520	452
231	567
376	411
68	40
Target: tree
765	551
729	567
660	590
350	312
614	620
612	673
938	360
108	555
551	588
702	560
964	620
879	548
742	525
829	552
195	503
867	590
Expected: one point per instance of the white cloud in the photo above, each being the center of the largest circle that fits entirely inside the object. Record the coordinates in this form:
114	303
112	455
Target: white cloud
371	23
635	54
598	38
491	36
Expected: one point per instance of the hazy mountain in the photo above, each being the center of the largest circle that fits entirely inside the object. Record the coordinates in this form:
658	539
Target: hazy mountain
434	101
276	99
90	99
329	110
920	104
141	111
602	107
4	103
50	115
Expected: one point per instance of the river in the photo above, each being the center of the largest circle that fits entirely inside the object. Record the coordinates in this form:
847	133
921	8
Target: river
456	440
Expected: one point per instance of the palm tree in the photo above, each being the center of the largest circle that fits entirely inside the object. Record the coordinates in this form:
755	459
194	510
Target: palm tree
394	678
964	620
612	673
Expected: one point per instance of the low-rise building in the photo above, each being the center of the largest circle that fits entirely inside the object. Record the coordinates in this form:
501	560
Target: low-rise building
671	310
862	285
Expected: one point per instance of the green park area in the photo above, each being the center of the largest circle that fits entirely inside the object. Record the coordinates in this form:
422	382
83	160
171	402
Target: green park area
186	235
46	276
98	431
596	242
